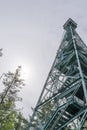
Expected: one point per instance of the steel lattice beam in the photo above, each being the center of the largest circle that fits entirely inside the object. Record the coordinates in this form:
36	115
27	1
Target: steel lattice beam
63	99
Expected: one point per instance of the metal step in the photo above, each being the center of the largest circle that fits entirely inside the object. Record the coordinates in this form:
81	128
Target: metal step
64	118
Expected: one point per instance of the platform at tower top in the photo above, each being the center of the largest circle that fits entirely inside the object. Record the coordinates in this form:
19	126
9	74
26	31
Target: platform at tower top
68	23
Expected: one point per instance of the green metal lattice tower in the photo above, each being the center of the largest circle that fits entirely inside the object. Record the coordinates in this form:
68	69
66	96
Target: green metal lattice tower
63	100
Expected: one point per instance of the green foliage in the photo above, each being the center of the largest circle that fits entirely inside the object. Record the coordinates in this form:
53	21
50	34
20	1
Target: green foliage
21	123
10	118
12	83
7	116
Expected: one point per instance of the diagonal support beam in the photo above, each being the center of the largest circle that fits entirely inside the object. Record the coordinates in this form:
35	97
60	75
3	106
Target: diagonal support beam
79	66
63	94
73	118
82	121
64	106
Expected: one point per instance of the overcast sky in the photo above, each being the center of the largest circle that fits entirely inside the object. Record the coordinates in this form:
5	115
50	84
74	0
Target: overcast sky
30	34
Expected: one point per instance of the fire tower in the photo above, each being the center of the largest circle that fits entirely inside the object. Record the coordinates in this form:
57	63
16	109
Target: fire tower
62	104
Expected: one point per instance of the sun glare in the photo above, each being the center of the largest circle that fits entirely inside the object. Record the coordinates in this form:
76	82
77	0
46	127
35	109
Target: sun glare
26	72
28	69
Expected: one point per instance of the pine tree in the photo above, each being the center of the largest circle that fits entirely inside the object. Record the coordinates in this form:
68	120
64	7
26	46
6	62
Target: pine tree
9	116
12	83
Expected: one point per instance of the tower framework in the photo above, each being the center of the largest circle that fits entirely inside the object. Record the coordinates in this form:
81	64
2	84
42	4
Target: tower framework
63	101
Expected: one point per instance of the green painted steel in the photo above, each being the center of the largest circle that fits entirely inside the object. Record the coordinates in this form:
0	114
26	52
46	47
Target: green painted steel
63	100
